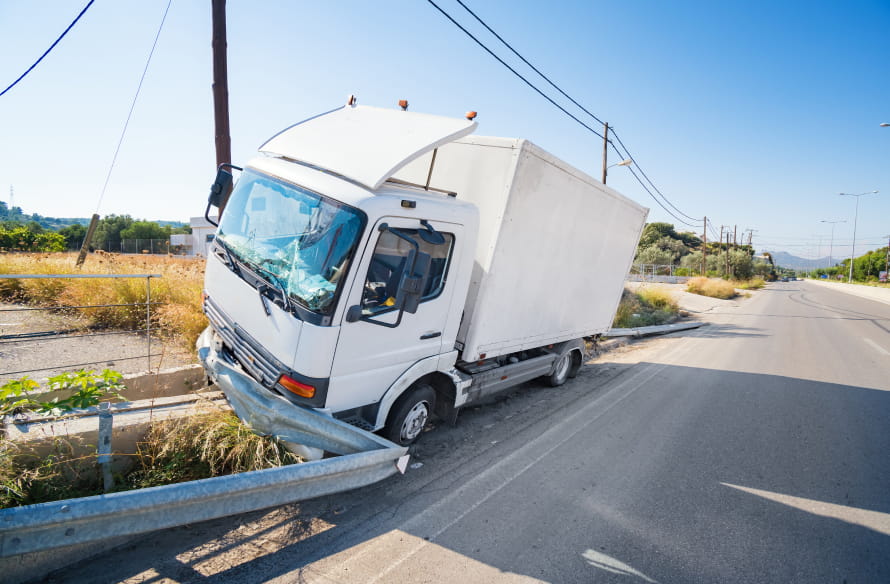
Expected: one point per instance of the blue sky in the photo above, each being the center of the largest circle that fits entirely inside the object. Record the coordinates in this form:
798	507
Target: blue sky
755	114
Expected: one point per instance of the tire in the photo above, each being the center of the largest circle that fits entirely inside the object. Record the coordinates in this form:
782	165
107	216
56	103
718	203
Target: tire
410	414
561	370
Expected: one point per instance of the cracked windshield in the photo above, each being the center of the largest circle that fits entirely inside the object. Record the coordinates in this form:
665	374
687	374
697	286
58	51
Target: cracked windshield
299	241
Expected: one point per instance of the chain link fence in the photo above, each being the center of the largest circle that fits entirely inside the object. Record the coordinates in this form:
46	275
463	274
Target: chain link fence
138	246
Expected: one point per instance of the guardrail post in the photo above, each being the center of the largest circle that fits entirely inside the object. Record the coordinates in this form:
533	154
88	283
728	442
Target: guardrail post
104	448
148	317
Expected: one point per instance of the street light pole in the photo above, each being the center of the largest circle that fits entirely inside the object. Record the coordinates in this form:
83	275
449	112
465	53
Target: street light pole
831	246
855	220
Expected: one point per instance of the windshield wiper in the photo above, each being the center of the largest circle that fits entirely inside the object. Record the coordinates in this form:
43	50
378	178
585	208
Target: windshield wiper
287	302
285	297
230	259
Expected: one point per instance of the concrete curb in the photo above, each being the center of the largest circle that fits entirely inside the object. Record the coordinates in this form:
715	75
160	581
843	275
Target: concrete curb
646	331
870	292
140	386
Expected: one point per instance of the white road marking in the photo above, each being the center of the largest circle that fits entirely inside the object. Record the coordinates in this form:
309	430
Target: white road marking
609	564
877	347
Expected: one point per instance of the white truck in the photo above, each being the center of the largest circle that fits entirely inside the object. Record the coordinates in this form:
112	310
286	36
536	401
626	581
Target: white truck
381	266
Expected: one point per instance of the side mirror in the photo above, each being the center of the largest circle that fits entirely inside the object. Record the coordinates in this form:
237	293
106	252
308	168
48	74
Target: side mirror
354	313
413	282
220	187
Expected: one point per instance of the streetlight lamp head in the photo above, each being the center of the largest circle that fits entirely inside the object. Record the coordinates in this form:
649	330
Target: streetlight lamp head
885	125
625	162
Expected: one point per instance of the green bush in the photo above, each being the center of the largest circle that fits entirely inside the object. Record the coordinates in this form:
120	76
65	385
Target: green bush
24	239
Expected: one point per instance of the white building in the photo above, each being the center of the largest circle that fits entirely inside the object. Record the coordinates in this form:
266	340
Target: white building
198	242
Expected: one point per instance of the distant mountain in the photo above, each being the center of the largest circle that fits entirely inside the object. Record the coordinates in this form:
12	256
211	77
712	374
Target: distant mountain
786	260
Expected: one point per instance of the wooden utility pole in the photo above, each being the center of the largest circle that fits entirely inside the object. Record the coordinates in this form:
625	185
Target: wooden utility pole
605	150
221	90
85	246
887	262
704	248
726	253
735	234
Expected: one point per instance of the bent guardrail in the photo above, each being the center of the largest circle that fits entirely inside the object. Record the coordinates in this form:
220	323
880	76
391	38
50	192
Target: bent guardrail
365	459
74	521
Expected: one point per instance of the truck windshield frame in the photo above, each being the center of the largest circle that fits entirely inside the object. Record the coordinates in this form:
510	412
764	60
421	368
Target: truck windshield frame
298	240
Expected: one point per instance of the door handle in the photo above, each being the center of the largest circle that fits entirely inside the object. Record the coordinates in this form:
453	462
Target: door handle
426	336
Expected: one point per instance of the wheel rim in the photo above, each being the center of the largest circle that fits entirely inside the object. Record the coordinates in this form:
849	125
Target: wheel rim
562	369
415	421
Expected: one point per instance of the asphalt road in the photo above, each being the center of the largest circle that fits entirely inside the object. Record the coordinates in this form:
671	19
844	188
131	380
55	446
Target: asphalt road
756	449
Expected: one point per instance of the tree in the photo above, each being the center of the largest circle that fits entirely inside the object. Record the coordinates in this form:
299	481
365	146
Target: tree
145	230
108	231
654	232
690	240
654	255
74	235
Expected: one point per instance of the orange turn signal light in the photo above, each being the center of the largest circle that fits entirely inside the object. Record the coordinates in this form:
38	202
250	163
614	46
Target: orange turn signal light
294	386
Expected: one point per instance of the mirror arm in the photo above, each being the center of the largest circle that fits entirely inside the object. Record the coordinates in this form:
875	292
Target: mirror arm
207	215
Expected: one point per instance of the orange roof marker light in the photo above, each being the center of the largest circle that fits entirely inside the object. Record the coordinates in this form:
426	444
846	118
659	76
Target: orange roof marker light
471	116
403	103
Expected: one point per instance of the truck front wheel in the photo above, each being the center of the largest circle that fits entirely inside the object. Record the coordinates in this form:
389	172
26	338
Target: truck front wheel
410	415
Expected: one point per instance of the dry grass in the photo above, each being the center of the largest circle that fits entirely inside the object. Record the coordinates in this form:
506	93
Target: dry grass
646	307
212	443
752	284
178	289
713	287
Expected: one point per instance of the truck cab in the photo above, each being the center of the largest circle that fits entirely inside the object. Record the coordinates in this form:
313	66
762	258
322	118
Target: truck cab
328	290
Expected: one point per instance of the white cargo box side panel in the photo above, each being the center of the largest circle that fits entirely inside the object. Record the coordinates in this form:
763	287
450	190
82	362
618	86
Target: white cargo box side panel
554	247
480	170
565	246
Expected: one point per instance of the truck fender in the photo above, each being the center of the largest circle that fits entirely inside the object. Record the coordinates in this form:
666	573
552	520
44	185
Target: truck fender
420	369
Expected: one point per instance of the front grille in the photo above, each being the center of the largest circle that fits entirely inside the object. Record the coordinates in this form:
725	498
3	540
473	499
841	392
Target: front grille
257	362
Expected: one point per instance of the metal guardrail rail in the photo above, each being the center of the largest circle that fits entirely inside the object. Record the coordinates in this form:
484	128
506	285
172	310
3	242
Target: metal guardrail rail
74	521
365	459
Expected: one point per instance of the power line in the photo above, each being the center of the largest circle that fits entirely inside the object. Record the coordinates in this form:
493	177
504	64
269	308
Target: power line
545	96
535	69
697	222
133	106
581	107
629	155
504	63
51	47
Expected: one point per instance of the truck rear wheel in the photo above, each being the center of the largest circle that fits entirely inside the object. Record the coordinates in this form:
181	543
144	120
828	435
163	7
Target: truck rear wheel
410	415
561	370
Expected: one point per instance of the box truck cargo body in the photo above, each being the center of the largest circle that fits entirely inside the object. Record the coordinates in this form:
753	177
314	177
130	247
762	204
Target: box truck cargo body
380	266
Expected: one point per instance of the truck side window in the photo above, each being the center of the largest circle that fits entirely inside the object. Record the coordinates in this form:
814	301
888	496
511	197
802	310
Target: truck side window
387	263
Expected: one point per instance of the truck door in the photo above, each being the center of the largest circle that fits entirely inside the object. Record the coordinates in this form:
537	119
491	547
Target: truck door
370	357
